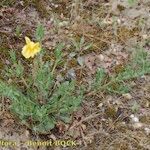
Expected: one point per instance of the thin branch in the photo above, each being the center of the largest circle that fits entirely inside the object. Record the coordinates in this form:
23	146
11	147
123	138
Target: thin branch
85	119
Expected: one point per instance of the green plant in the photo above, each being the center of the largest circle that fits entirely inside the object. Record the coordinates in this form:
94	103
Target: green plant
135	107
18	31
35	97
117	83
7	2
132	2
39	34
81	45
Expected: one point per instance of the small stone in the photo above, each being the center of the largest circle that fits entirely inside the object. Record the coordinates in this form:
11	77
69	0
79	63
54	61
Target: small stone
80	61
7	62
145	36
147	130
100	105
108	21
56	6
137	125
119	21
71	74
72	54
63	23
123	123
134	119
131	116
127	96
101	57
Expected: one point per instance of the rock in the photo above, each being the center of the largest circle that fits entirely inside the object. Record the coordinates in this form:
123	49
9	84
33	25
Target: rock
127	96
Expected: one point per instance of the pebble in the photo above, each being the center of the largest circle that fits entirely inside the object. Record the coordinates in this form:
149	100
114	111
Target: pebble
137	125
134	119
101	57
127	96
147	130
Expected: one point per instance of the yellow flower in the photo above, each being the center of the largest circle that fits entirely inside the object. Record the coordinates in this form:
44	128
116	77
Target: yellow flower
31	48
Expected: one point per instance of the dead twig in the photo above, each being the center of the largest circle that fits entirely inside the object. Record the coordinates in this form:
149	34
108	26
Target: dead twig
83	137
85	119
4	32
98	132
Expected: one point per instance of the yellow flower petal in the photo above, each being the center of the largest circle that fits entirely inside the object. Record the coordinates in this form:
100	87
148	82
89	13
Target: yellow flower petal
37	47
31	48
25	52
27	40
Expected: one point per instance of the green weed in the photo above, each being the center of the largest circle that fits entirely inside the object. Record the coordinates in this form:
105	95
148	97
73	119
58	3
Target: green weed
81	45
36	99
7	2
132	2
119	82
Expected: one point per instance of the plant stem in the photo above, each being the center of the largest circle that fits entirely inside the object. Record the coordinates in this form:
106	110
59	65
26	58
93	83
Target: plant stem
24	81
55	64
